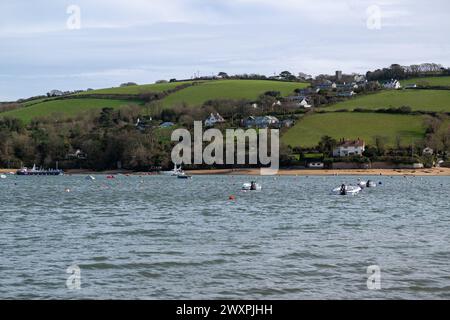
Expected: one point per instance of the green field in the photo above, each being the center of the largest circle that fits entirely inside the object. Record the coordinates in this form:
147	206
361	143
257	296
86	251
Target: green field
309	130
425	100
229	89
193	96
138	89
68	107
432	81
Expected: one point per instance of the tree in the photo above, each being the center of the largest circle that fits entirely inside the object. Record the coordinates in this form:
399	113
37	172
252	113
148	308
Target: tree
168	115
380	143
275	94
106	117
286	75
304	76
128	84
326	145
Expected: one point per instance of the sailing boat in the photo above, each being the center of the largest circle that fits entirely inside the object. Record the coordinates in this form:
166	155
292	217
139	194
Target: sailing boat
175	172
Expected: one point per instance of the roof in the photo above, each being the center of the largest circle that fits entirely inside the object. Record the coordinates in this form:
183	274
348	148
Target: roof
351	143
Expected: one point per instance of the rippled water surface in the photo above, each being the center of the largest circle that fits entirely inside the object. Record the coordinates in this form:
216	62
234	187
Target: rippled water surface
166	238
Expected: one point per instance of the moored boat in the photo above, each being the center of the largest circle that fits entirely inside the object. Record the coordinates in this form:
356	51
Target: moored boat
251	186
39	172
347	190
175	172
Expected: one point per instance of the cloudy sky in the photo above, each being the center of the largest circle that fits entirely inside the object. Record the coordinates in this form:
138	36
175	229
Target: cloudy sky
42	48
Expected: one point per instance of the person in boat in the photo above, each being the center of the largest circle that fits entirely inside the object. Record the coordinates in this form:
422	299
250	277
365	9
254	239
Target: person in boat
253	185
368	184
343	190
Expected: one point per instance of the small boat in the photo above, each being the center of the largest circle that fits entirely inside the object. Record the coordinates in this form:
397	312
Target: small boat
370	184
349	190
184	176
90	178
2	176
366	184
248	186
175	172
361	183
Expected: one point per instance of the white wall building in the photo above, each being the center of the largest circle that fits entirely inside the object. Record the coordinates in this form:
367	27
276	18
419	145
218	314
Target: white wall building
348	148
304	104
393	84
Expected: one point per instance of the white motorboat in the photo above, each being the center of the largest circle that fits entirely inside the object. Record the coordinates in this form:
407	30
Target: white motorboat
249	187
370	184
90	178
349	190
366	184
2	176
361	183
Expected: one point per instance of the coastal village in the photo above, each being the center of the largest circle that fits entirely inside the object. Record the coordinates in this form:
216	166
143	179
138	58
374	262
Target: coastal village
272	109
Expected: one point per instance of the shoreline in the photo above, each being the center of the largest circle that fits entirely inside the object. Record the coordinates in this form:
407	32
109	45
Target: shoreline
281	172
329	172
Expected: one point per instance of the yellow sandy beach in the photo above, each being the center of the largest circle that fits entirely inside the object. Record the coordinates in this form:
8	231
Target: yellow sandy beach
324	172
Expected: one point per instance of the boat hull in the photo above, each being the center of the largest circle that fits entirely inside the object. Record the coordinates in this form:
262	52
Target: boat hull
40	173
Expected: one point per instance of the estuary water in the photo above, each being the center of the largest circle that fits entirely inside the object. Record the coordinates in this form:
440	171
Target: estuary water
156	237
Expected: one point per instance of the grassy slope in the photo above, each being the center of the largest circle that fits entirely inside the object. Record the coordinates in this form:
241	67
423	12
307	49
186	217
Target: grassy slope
432	81
308	131
69	107
426	100
229	89
158	87
226	89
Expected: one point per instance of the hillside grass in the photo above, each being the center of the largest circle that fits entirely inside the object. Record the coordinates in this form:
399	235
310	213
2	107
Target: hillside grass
192	96
67	107
229	89
309	130
423	100
432	81
138	89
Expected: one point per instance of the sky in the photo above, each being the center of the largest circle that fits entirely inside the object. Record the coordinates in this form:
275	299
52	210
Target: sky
80	44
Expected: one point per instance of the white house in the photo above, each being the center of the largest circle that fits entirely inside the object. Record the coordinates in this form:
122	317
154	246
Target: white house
304	104
214	119
300	101
347	148
393	84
